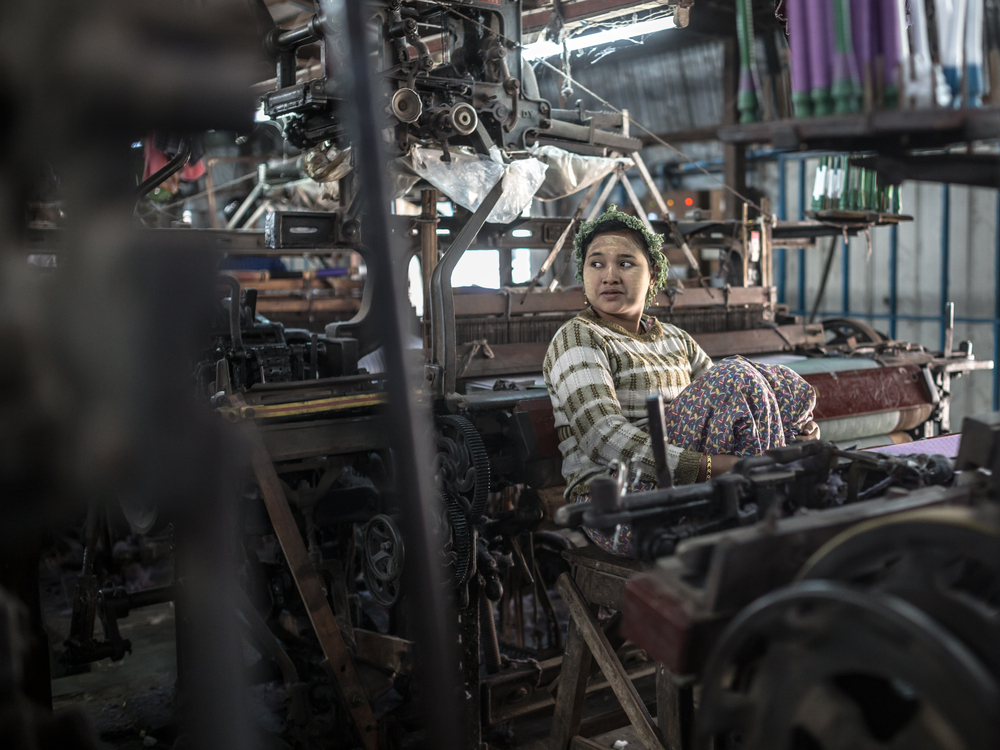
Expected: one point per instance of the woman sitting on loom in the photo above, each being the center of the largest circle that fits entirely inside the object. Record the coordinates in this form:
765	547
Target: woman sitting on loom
602	364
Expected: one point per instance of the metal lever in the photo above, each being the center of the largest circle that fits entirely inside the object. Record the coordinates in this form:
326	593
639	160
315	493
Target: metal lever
658	439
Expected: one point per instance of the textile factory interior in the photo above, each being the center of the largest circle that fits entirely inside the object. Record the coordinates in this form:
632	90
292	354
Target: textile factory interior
495	374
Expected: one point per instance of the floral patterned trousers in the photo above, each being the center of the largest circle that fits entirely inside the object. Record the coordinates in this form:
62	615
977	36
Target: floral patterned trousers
738	407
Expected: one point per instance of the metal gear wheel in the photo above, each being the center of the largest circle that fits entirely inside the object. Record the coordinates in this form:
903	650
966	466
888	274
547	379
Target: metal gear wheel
463	476
383	556
463	466
943	560
820	665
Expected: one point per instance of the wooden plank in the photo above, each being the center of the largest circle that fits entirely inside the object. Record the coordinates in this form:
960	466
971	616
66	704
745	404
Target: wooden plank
758	340
327	437
601	588
599	646
508	359
311	304
572	687
582	743
502	706
598	559
571	300
307	581
674	709
387	651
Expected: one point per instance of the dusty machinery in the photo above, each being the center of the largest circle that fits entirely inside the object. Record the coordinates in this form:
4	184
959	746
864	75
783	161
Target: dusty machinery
321	532
833	628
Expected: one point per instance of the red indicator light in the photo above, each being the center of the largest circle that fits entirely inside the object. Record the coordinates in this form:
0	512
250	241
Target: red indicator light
689	201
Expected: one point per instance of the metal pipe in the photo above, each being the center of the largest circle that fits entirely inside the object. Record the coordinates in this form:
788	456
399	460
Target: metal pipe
234	311
150	597
308	33
443	338
845	277
945	258
409	425
949	329
210	190
428	223
658	440
782	258
802	251
894	278
920	318
488	634
996	311
248	201
583	134
92	530
171	168
822	283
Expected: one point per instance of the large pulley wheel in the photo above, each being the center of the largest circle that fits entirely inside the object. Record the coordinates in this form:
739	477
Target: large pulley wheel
463	477
946	561
822	666
462	464
383	555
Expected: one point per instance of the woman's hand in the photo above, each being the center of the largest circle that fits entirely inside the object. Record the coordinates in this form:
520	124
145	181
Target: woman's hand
721	464
810	431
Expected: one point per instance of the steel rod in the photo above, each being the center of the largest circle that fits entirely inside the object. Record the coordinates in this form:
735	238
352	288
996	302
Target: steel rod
801	307
893	279
945	258
409	423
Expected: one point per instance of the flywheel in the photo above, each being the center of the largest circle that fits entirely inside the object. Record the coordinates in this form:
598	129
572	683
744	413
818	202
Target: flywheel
463	477
821	666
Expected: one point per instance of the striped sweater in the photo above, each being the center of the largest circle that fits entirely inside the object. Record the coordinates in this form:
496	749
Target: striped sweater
598	376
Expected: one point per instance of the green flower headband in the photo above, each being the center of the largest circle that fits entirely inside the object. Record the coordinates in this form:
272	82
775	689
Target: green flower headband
653	244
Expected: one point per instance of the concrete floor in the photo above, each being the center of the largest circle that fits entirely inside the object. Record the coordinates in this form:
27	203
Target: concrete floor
130	703
133	699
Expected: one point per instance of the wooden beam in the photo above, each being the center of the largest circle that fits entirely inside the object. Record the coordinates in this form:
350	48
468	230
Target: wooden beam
572	689
310	589
604	654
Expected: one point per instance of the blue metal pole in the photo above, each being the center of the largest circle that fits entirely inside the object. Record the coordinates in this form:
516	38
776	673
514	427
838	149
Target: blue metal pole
802	251
782	258
945	255
845	277
893	278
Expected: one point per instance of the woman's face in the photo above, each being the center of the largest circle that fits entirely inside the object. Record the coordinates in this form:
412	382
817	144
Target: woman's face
616	278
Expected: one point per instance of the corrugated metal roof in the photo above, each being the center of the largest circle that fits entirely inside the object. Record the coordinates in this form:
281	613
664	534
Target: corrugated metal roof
666	91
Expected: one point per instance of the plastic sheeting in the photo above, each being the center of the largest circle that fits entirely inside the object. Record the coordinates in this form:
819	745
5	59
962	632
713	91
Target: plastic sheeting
401	176
569	172
469	176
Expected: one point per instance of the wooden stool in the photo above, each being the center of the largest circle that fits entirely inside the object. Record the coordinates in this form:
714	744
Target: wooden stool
599	579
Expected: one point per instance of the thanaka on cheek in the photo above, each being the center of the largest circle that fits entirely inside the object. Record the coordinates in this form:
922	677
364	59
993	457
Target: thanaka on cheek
617	278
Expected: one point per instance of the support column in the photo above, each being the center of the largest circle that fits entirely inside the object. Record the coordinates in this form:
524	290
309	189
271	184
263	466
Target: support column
428	251
734	155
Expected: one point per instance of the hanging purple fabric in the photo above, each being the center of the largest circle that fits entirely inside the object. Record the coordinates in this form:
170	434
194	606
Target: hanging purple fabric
798	43
889	48
819	19
864	31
